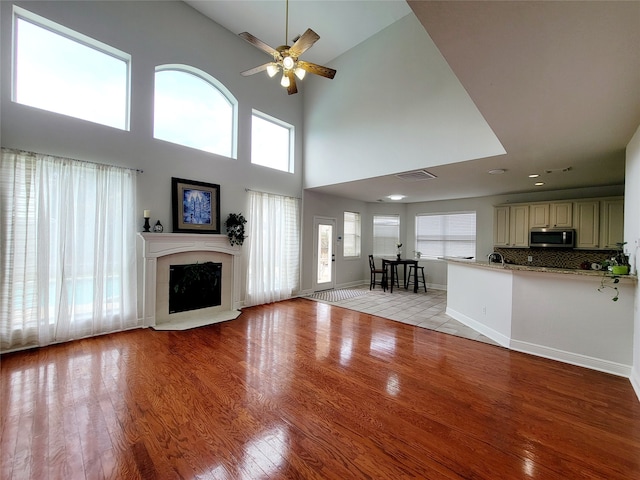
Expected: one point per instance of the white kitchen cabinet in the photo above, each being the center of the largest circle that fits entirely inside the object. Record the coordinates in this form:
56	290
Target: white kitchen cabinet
501	226
539	215
511	226
519	222
587	223
611	222
561	214
551	215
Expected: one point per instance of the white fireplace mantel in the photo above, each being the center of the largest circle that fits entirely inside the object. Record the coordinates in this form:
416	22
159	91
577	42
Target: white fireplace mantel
156	245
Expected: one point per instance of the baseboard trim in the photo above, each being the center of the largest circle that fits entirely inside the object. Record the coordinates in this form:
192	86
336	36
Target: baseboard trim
572	358
479	327
635	381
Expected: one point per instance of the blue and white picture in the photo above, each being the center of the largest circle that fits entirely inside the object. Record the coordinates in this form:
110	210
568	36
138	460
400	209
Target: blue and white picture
196	207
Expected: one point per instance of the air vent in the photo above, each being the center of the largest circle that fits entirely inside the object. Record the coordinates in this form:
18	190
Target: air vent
415	176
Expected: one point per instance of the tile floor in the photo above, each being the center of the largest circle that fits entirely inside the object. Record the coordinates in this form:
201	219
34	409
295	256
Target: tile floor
425	310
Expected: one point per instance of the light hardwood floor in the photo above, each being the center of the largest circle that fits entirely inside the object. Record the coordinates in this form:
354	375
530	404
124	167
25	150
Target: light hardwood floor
303	389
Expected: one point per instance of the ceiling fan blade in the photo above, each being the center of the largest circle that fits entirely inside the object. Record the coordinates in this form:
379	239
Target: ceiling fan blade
256	42
317	69
305	42
292	88
254	70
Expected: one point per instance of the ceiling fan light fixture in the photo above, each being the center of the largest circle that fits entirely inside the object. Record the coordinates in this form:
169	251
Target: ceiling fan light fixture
288	63
300	73
285	82
272	69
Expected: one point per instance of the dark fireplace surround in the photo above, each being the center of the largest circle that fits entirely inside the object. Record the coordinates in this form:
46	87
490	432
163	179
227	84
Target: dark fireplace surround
194	286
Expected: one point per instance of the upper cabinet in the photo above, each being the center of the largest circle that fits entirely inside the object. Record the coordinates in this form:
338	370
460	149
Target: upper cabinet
562	214
519	230
598	222
611	222
511	226
501	226
587	223
551	215
539	215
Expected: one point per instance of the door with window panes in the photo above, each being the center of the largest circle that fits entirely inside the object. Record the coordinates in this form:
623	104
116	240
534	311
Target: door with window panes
324	247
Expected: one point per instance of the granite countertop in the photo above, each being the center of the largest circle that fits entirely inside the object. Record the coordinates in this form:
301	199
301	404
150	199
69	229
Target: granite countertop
527	268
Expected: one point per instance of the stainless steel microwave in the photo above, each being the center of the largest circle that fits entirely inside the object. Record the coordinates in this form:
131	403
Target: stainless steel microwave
552	237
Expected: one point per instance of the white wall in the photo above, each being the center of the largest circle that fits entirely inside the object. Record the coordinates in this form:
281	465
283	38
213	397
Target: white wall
565	317
481	298
632	237
393	98
347	271
156	33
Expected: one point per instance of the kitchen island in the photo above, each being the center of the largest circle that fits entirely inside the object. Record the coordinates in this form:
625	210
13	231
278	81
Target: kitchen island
550	312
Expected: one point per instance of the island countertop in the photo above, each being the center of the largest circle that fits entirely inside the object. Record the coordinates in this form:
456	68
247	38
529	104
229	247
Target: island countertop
527	268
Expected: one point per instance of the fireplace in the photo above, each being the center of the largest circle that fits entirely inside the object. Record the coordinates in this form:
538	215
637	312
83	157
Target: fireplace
194	286
161	251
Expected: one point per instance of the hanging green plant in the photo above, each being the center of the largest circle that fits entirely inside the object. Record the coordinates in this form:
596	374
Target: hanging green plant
235	228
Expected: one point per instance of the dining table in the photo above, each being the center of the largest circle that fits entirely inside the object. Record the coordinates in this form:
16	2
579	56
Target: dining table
386	263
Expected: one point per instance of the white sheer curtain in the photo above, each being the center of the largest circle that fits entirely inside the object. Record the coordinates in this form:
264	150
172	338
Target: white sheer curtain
68	258
274	248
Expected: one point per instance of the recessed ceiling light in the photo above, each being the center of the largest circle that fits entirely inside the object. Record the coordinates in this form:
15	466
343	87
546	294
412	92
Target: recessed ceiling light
537	184
396	197
534	175
496	171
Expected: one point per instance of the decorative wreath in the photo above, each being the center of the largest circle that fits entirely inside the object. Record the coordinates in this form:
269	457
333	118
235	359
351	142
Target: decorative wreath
235	228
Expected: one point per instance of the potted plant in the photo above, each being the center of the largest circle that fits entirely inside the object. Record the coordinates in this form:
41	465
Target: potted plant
612	269
620	261
235	228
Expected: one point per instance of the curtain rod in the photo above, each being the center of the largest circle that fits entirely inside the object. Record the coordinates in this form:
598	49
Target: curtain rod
270	193
137	170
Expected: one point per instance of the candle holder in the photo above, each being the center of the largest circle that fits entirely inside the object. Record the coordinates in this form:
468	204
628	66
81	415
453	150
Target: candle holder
147	227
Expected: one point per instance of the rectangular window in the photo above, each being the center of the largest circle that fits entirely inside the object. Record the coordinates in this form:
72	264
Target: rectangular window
351	238
386	235
62	71
271	142
446	235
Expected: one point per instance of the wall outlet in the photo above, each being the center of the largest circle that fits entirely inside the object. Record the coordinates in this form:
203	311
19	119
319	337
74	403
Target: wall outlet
529	258
484	310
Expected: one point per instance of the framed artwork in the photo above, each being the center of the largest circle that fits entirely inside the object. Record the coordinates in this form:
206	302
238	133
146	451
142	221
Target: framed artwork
196	206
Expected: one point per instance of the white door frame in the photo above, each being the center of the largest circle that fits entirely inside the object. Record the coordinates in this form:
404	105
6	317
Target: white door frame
317	221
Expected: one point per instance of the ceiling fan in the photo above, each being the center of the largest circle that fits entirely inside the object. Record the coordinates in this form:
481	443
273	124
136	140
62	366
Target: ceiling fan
285	58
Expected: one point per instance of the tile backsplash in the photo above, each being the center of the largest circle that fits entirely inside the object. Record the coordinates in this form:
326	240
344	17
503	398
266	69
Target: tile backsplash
554	257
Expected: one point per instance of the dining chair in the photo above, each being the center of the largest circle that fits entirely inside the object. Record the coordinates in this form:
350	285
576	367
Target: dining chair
377	271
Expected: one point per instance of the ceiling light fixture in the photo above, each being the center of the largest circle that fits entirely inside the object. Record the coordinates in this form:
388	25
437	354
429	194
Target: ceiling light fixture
396	197
538	184
496	171
534	175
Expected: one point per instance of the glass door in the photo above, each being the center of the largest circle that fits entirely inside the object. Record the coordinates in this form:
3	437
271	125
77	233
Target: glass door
324	253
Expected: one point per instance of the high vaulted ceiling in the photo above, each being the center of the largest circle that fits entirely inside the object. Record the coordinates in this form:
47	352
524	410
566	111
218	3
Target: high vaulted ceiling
558	82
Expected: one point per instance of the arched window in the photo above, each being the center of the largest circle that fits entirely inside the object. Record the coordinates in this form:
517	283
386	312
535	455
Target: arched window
195	110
